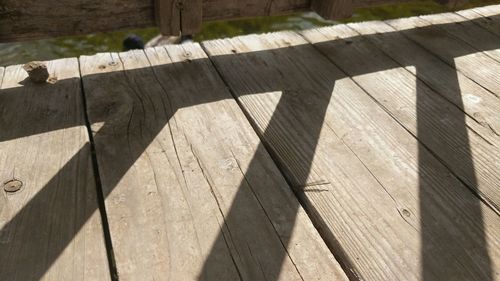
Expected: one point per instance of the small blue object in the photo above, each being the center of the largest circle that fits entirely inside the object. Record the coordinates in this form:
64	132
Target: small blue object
133	42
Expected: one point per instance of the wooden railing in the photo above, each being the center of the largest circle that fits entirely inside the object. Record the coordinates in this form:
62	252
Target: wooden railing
33	19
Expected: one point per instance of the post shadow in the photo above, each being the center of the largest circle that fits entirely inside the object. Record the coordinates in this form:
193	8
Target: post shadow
153	122
435	236
439	246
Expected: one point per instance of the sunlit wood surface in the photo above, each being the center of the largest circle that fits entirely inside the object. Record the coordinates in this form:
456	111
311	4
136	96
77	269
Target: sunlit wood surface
366	151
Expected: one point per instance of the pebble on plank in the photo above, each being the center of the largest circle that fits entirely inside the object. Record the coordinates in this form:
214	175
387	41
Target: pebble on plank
37	71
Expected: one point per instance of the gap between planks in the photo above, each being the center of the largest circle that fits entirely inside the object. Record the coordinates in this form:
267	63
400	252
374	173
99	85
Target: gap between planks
165	76
260	86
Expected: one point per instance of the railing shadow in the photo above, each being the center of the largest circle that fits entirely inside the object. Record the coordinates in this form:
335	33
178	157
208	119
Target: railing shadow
131	127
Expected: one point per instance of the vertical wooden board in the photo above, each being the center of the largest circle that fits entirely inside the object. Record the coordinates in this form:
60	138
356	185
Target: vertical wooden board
172	141
439	125
51	228
466	59
473	99
354	167
191	16
168	17
333	9
479	38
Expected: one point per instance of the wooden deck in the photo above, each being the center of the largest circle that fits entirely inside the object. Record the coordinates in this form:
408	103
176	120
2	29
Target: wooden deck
367	151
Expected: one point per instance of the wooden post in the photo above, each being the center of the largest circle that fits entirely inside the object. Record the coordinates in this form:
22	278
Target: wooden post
174	17
332	9
168	17
191	16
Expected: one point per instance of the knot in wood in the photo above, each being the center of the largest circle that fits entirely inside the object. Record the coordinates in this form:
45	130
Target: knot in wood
12	186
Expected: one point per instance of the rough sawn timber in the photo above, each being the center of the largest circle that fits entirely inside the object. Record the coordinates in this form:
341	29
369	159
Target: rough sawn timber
477	102
190	192
440	126
35	19
376	195
51	228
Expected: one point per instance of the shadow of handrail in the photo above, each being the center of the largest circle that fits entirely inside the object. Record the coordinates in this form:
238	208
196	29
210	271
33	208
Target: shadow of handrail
128	125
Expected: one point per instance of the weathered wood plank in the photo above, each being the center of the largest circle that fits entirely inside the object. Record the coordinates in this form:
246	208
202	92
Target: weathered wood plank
486	17
479	38
332	9
191	15
473	99
178	16
51	229
488	11
443	128
189	190
381	201
33	19
168	17
466	59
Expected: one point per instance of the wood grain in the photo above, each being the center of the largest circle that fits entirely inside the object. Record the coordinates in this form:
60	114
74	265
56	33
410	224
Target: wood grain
191	16
356	170
32	19
467	31
478	103
168	17
440	126
51	228
486	17
190	192
472	63
178	16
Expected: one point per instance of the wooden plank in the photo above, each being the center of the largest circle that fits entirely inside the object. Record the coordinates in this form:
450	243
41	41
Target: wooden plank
190	192
466	59
472	34
486	17
33	19
168	17
51	228
179	16
441	127
358	172
478	103
488	11
192	16
332	9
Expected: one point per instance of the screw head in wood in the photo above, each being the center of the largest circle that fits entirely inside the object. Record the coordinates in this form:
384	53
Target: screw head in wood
406	213
12	186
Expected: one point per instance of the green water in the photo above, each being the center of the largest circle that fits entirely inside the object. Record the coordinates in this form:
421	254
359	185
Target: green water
15	53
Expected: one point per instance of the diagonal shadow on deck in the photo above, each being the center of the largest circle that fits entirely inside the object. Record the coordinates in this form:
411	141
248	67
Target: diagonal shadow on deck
477	265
